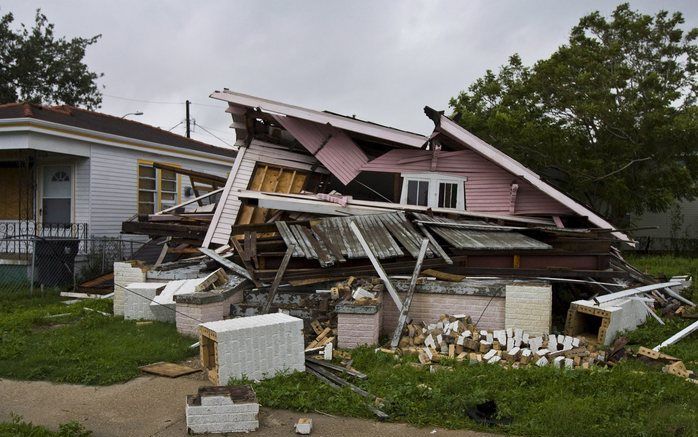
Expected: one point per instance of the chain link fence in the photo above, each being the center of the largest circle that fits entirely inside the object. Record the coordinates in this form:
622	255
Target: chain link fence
33	264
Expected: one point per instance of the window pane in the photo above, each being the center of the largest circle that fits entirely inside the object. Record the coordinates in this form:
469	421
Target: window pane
168	185
448	195
146	196
423	193
167	196
146	208
146	184
412	192
168	175
145	171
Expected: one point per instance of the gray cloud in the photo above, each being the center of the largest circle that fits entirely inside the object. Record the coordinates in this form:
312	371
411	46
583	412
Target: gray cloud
379	60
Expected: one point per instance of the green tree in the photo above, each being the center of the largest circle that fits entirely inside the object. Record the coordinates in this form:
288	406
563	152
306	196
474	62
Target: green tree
37	66
610	117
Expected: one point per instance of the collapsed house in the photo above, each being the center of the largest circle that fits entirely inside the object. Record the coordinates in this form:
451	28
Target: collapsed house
360	226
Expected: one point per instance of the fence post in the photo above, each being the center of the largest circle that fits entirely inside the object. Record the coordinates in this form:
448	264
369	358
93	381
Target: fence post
31	280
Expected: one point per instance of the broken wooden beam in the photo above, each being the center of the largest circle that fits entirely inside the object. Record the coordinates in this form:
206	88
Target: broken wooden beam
277	279
410	293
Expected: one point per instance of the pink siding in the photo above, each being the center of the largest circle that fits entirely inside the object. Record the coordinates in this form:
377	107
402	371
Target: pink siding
488	188
332	147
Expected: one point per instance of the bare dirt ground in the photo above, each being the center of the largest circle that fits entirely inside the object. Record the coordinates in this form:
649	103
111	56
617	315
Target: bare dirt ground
154	406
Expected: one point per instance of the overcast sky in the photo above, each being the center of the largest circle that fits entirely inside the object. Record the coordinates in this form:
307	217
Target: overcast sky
382	61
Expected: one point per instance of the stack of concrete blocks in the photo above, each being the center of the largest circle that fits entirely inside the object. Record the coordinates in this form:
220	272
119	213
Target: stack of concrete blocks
358	325
125	273
615	316
528	306
137	300
255	347
222	409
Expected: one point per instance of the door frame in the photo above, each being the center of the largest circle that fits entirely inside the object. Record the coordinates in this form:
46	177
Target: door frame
40	189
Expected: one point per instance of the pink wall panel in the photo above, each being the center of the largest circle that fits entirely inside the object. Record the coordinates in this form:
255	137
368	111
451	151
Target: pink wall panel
331	146
488	188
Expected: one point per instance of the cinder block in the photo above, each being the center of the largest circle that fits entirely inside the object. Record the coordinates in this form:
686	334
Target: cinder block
255	347
137	299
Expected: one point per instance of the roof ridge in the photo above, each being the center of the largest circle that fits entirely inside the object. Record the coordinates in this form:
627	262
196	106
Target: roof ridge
124	120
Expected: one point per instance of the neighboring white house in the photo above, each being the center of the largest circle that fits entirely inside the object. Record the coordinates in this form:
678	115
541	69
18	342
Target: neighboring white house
63	166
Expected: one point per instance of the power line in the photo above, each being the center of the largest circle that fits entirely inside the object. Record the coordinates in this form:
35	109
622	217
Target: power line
212	134
170	129
130	99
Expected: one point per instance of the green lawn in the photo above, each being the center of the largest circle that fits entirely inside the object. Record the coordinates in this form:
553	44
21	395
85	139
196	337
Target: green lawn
629	399
78	345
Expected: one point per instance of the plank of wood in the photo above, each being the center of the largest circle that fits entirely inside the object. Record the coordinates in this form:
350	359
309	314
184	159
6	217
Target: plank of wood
246	263
323	256
170	370
435	245
361	392
329	244
677	296
637	290
226	263
98	280
443	276
376	265
277	278
335	367
410	293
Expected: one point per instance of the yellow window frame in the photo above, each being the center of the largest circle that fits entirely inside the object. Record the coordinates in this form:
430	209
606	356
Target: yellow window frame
158	184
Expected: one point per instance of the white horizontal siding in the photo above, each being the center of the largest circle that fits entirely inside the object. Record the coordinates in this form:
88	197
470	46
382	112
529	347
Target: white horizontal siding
114	184
231	204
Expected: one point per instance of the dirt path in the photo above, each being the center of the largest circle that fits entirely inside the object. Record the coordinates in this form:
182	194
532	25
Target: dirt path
154	406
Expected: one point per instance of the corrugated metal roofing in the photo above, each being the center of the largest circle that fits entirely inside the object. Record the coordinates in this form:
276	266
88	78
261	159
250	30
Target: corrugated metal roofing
463	238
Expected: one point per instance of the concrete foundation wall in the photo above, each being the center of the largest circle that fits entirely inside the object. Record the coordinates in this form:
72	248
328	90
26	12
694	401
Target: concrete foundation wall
428	307
529	307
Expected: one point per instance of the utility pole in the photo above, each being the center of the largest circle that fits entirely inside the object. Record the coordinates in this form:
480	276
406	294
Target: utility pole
188	120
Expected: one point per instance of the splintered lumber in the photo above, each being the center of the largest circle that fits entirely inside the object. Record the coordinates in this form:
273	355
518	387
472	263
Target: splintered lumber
245	261
335	367
678	336
278	277
376	265
443	276
437	247
361	392
321	378
410	293
226	263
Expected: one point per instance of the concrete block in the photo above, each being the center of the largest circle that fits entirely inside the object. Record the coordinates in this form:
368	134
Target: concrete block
137	300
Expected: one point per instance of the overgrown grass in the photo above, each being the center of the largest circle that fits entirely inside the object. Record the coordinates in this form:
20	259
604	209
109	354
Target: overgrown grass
43	339
18	427
631	398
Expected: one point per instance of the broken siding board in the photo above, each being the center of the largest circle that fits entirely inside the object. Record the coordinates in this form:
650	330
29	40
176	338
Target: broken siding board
323	256
289	238
387	238
329	244
302	240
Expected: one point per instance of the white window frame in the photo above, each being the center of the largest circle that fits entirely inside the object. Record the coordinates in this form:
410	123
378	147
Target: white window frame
434	180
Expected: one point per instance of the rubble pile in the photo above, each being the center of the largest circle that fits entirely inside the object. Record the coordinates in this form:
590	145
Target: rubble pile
457	337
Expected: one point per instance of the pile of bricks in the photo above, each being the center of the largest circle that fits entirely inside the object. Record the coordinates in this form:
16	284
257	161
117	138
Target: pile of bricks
456	337
222	409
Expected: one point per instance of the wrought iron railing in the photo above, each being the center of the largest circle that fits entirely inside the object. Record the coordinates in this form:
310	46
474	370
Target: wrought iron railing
16	237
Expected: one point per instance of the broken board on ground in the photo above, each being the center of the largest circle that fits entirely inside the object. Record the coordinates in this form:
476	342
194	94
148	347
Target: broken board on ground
170	370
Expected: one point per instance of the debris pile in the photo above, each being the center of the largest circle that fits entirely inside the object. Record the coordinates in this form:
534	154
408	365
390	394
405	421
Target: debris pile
457	337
